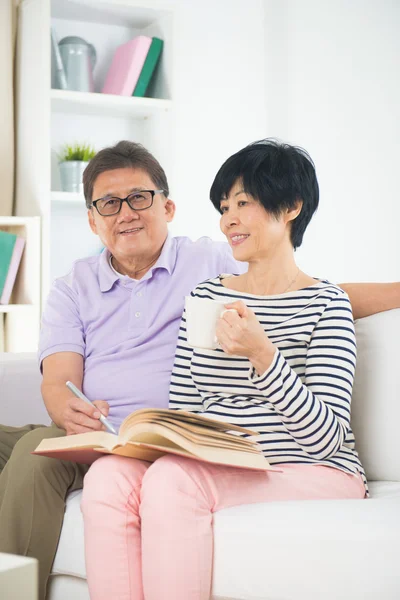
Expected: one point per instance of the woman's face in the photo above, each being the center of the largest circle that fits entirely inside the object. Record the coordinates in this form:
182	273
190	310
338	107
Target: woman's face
251	231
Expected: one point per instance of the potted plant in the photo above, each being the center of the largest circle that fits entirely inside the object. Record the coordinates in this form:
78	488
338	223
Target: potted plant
73	160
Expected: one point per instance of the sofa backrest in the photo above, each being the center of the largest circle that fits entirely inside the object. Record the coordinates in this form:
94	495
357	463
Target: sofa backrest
20	397
375	404
376	395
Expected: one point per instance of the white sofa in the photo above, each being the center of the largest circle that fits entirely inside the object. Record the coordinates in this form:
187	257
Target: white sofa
326	550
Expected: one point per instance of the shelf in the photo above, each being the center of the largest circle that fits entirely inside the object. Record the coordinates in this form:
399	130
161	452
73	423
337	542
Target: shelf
25	296
12	308
17	221
69	197
108	12
110	105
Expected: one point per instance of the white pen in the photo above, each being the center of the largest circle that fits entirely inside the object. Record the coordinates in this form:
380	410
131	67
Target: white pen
79	394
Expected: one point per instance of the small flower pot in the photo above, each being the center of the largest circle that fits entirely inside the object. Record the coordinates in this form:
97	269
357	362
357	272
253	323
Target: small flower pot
71	172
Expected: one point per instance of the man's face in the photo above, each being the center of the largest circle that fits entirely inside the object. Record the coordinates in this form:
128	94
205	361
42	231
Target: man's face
130	235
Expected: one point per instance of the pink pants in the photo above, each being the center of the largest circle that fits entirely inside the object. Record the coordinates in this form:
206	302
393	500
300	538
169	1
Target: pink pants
148	527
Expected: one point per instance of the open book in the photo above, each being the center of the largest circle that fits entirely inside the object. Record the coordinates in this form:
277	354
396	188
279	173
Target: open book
148	434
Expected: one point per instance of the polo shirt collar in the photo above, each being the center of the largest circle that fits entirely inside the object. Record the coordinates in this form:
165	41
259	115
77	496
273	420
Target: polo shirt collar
166	260
107	277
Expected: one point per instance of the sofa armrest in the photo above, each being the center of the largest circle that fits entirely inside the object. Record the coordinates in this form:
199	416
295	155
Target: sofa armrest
20	396
375	410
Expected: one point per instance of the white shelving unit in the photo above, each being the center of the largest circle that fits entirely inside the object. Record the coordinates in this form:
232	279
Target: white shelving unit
69	197
13	308
106	105
48	118
19	320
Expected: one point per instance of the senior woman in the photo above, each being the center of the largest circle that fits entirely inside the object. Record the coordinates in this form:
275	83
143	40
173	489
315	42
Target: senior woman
284	367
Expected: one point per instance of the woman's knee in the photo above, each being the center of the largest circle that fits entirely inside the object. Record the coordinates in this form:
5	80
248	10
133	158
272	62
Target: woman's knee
112	478
168	477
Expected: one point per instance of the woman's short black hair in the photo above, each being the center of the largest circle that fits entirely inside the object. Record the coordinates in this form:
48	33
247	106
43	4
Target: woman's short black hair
278	175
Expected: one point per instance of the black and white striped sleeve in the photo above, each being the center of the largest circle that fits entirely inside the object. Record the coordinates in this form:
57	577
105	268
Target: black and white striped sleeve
316	413
183	394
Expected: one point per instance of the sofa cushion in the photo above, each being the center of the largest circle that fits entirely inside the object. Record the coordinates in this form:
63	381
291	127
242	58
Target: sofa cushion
70	557
254	544
309	550
67	587
376	395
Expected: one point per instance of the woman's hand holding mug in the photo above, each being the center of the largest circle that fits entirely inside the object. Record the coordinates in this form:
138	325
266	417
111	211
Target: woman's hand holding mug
240	333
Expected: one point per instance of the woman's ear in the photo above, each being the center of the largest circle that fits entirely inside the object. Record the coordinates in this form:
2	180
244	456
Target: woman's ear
292	213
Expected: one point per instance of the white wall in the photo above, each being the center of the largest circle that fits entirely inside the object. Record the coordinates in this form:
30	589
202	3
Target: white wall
323	74
219	99
333	87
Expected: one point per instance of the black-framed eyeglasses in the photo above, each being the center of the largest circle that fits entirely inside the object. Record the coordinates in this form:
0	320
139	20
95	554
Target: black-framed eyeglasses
140	200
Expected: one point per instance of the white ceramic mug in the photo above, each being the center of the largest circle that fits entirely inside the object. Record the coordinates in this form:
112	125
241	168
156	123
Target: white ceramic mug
202	316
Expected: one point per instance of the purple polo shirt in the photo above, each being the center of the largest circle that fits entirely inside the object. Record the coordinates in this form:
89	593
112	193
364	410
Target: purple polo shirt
127	330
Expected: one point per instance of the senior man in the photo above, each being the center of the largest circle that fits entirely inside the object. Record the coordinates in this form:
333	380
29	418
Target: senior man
110	326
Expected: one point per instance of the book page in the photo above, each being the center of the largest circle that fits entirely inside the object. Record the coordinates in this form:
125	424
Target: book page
217	439
156	434
222	456
153	415
80	440
202	431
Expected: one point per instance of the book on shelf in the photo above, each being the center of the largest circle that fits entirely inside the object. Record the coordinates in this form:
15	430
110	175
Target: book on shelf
147	72
11	249
147	434
2	334
126	66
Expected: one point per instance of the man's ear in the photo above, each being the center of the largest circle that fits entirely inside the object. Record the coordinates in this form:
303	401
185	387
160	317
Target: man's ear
169	208
91	220
292	213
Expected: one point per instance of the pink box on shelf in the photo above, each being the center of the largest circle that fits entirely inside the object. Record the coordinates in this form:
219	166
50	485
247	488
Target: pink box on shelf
126	66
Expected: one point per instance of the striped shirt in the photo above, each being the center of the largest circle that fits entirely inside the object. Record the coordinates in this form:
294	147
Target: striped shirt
300	406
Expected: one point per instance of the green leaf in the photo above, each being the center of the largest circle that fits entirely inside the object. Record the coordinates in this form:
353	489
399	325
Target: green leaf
84	152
